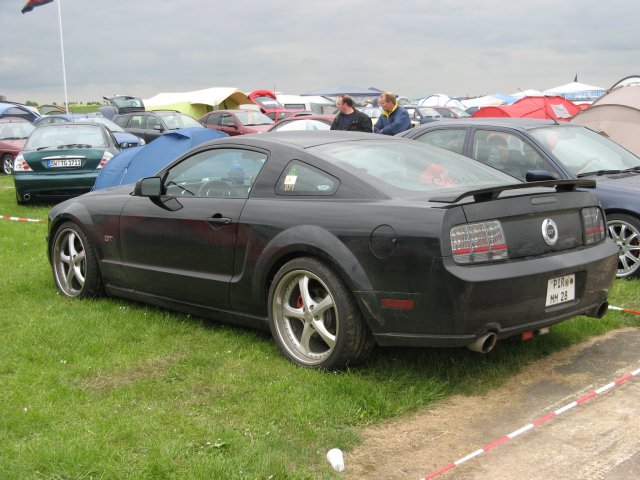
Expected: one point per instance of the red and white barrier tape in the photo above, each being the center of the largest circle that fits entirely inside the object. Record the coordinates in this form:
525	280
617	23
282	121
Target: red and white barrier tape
19	219
626	310
535	423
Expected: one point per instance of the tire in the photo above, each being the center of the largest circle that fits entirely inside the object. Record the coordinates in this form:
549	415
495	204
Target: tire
625	231
7	164
335	337
74	263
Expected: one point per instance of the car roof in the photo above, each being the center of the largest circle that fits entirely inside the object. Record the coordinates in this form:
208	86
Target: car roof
524	123
306	138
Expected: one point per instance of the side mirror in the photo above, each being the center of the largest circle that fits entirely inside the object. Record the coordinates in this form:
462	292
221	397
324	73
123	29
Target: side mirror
148	187
157	127
540	175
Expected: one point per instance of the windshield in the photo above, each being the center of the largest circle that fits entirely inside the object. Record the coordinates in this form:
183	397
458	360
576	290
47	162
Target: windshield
267	103
583	152
127	102
59	136
250	118
179	120
408	168
15	130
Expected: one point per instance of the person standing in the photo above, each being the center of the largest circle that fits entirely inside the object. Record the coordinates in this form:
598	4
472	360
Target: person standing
394	119
349	118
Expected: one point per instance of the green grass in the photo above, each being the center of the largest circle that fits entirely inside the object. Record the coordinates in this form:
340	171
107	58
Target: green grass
110	389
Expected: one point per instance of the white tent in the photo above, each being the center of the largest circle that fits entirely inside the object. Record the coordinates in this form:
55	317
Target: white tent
576	91
440	100
527	93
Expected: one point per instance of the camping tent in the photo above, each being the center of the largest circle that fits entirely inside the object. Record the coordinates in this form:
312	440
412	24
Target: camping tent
488	100
576	91
616	115
198	102
8	109
132	164
555	108
440	100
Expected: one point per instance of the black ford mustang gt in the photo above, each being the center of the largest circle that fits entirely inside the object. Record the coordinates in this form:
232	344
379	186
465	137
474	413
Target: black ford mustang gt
338	241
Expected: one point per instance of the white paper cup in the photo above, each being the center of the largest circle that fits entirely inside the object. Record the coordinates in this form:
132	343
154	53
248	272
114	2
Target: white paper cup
336	459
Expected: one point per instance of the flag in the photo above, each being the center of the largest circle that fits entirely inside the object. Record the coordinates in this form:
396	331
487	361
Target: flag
31	4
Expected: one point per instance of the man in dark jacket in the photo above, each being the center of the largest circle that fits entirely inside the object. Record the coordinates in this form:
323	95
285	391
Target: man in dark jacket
394	118
349	118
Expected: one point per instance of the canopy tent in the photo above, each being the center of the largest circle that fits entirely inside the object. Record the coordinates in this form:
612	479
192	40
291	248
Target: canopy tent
198	102
576	91
440	100
616	115
132	164
352	90
488	100
555	108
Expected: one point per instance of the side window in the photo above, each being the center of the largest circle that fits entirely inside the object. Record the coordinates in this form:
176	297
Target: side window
507	152
136	121
215	119
152	122
120	120
222	172
302	179
228	120
449	139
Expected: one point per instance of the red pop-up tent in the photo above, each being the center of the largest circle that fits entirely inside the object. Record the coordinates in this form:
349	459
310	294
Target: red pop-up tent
549	107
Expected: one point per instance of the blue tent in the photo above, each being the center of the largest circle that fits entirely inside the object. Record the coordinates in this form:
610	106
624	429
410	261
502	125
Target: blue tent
8	109
132	164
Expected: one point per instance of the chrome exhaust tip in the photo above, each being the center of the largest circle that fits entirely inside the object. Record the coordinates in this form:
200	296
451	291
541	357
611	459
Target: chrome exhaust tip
484	343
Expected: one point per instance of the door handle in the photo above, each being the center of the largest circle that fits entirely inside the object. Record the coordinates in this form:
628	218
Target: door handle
218	219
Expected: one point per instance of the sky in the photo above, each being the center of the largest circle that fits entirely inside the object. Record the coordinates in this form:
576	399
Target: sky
413	48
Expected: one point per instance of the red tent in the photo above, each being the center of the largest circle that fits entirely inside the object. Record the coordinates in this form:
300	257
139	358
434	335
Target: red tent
550	107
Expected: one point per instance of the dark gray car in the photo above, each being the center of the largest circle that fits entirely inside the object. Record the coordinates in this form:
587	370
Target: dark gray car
536	149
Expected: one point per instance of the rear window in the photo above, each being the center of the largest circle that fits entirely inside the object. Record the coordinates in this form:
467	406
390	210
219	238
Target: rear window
407	168
58	136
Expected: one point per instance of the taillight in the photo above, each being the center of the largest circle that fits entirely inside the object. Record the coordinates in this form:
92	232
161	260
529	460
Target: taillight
20	164
105	158
478	242
593	224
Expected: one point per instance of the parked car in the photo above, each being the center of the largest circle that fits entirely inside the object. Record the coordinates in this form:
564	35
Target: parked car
304	122
121	104
13	135
451	112
421	115
150	125
124	138
336	241
535	149
237	122
269	105
61	160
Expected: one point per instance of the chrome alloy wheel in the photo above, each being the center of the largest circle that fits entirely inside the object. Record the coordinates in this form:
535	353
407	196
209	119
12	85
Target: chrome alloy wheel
69	262
305	317
626	234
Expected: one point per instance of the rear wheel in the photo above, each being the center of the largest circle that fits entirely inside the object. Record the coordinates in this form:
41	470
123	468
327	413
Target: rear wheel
314	319
625	231
7	164
74	263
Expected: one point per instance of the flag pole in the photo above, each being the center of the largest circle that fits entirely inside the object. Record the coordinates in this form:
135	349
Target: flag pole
64	74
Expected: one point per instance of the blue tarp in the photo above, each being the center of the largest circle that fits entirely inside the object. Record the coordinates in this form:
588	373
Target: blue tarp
132	164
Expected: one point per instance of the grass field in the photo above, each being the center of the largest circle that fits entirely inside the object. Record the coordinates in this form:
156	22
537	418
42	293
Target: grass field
116	390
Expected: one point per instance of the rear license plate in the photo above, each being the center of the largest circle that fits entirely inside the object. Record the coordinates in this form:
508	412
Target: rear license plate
561	290
66	162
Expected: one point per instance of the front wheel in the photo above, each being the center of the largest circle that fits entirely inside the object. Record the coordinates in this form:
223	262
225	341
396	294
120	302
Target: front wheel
7	164
314	319
625	231
74	263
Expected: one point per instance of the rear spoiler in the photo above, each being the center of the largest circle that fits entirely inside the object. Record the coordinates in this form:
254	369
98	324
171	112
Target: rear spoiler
492	193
